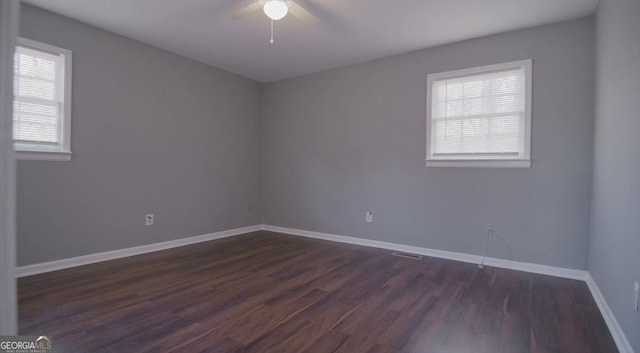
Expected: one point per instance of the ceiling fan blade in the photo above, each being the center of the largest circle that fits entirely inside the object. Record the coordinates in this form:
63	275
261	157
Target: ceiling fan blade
301	13
247	10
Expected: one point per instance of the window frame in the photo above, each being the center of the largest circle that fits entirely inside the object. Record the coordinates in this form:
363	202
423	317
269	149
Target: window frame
523	160
62	151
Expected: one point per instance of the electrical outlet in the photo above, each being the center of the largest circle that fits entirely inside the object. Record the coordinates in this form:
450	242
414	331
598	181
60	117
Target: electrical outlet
369	217
148	221
636	289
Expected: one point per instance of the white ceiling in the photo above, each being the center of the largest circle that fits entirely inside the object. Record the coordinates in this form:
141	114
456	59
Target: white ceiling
348	31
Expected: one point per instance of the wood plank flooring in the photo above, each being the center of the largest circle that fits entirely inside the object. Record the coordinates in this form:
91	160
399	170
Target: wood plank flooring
267	292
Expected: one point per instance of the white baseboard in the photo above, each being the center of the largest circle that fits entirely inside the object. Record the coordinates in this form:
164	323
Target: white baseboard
450	255
29	270
616	331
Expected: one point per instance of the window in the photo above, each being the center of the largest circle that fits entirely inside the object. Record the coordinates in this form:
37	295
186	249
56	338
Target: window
480	117
42	101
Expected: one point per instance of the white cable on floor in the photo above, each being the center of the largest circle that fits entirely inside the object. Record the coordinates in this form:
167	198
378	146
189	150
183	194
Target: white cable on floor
486	248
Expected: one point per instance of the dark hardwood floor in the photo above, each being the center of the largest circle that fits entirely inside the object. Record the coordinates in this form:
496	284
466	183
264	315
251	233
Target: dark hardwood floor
265	292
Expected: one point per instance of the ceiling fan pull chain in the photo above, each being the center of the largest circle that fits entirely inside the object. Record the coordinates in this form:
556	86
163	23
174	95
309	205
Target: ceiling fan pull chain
271	41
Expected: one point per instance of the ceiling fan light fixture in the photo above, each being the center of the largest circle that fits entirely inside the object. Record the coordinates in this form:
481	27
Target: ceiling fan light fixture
275	9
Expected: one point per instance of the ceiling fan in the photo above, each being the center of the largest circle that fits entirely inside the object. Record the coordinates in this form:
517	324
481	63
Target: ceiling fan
276	10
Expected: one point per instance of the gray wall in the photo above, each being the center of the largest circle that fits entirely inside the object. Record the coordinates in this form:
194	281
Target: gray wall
152	132
157	133
9	17
615	235
342	142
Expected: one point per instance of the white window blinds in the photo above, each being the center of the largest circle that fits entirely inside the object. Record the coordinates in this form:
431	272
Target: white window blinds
480	117
39	99
479	114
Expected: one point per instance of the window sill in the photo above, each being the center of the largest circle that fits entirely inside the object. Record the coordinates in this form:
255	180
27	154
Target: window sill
494	163
42	156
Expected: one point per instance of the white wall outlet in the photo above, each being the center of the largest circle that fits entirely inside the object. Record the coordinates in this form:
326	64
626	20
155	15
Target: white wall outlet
369	217
148	220
636	289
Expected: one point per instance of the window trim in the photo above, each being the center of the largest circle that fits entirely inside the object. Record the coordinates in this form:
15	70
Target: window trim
63	152
523	161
